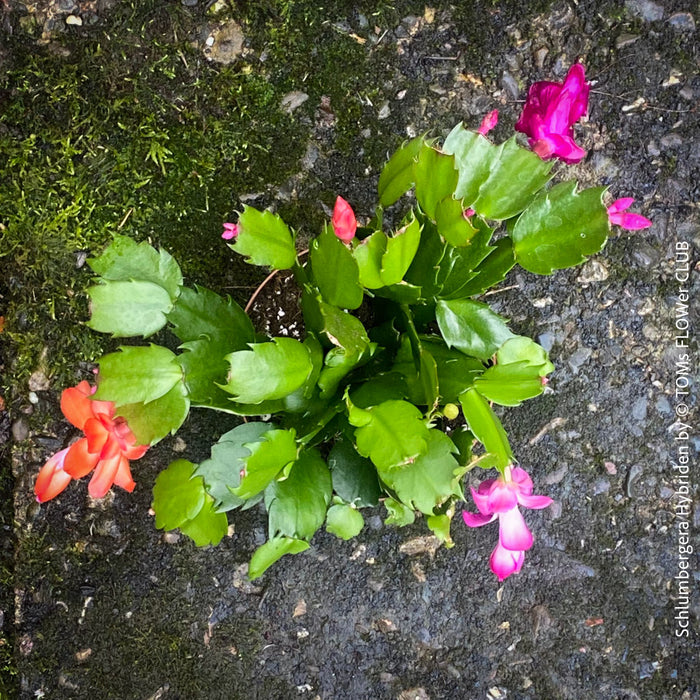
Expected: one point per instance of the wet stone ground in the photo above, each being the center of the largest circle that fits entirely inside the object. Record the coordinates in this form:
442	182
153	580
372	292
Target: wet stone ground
108	607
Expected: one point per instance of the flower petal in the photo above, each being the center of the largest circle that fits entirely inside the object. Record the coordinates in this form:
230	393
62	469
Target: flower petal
52	478
522	479
104	475
513	533
488	122
503	497
123	476
531	501
76	405
135	451
620	205
505	562
633	222
481	496
80	461
477	519
96	435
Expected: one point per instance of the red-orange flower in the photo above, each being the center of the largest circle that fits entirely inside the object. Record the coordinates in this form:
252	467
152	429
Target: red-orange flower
107	447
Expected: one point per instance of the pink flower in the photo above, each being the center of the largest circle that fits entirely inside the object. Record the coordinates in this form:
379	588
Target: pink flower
550	112
618	215
468	213
499	498
489	122
344	222
230	231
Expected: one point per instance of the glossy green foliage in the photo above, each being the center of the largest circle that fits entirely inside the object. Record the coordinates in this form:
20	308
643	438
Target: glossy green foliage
497	181
394	343
268	370
392	434
471	326
486	427
265	239
210	327
181	501
137	288
561	228
335	271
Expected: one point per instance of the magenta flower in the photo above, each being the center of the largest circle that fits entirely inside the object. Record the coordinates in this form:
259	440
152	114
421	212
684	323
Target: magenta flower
618	215
550	112
488	123
344	222
230	231
499	498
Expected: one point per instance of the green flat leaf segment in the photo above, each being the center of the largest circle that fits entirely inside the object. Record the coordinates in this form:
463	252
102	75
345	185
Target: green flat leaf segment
491	270
265	239
471	327
128	309
297	505
354	477
400	251
486	427
430	480
344	521
125	260
222	471
268	371
436	178
560	228
368	254
137	289
510	384
137	375
336	271
523	349
451	223
268	457
210	327
200	313
397	177
440	527
273	550
399	514
152	421
497	181
382	260
455	371
176	496
207	527
392	434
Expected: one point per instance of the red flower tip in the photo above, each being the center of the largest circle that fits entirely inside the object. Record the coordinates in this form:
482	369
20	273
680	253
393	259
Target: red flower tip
344	222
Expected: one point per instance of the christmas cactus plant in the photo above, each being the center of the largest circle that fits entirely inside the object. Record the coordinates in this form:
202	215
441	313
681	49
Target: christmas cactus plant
388	395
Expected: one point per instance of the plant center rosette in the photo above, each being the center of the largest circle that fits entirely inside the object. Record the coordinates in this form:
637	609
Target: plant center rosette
394	404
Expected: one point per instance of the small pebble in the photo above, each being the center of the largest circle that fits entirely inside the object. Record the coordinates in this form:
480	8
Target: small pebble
75	20
682	21
292	100
20	430
646	9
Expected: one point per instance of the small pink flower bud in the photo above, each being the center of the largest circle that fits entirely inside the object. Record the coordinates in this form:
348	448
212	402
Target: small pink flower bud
344	222
230	231
489	122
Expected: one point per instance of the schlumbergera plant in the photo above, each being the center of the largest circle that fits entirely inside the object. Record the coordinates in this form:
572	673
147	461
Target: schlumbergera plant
365	407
